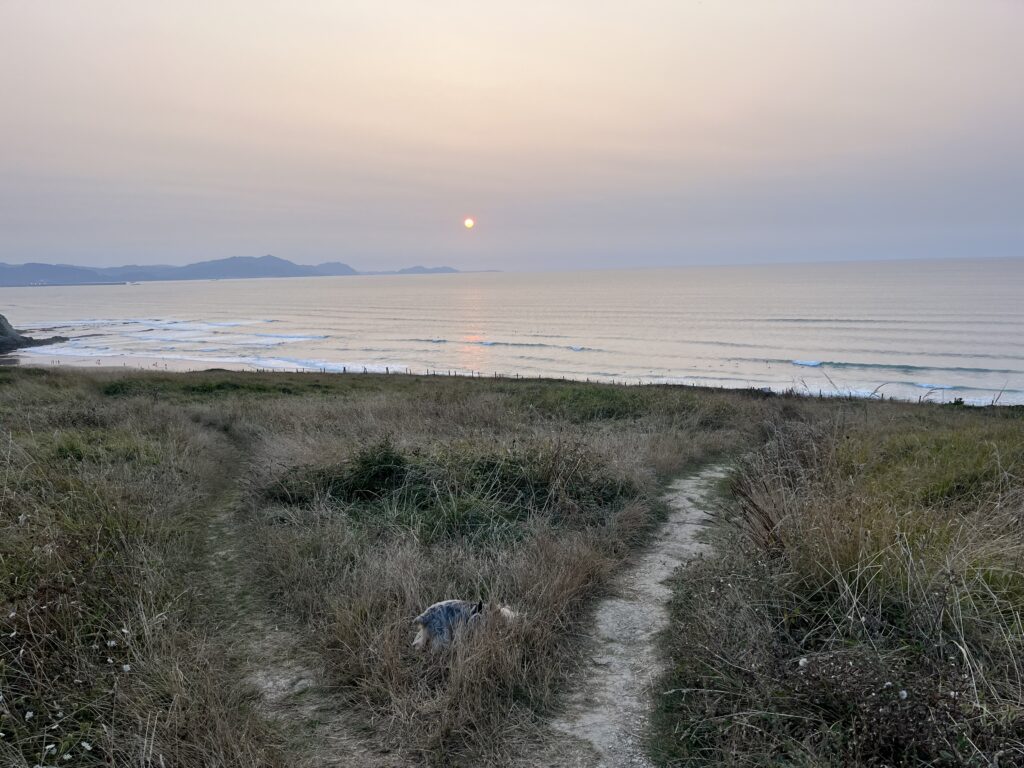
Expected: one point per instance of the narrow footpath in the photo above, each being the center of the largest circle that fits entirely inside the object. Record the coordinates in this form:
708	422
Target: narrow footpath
276	660
605	722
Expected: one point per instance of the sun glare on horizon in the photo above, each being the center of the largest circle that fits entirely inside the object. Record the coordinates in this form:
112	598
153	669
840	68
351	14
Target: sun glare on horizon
469	223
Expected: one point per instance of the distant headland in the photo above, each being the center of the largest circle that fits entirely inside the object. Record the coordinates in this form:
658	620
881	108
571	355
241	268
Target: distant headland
234	268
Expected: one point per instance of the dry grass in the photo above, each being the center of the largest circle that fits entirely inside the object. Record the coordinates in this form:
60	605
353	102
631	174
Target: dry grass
530	494
369	498
866	608
880	542
102	659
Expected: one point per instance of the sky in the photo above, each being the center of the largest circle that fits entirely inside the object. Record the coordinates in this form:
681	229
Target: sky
578	133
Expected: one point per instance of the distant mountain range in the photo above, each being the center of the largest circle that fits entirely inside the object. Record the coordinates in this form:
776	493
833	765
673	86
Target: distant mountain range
235	268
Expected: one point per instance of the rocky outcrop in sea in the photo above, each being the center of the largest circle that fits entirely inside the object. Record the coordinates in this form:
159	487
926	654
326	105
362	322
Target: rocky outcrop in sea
11	340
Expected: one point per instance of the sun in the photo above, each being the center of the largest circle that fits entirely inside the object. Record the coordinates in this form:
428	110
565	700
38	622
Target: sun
469	223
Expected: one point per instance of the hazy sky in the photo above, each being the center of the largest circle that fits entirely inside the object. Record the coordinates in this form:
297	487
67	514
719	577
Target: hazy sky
577	132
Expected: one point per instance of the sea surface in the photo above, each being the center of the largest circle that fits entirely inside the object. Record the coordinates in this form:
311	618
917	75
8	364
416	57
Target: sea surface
934	330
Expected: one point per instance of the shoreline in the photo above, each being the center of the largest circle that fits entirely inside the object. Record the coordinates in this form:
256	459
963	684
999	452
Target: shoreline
801	330
131	363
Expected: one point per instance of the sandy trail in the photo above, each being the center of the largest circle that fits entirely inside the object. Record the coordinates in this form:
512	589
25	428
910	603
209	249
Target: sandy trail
292	681
605	721
604	724
278	662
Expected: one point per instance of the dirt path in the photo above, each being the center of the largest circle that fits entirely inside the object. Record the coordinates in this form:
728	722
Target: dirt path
277	662
606	719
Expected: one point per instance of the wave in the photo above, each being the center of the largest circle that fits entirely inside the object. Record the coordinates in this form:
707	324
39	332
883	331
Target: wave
72	350
942	321
291	337
524	344
275	363
194	325
898	367
818	320
200	337
145	323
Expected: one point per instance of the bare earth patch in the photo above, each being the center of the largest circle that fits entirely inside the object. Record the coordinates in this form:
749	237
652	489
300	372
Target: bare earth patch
280	665
605	722
292	682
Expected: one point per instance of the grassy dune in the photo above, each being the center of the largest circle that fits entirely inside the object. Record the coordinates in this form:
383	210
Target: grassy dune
145	518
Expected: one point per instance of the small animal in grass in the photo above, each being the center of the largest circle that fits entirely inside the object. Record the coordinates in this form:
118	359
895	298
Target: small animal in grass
439	624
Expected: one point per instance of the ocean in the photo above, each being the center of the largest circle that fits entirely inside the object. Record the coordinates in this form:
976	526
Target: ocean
935	330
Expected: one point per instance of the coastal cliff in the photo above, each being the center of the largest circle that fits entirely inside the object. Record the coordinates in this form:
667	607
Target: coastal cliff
11	340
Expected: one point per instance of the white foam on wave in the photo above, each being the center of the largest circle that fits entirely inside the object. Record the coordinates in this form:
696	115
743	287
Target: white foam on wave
54	351
291	336
149	337
235	339
69	349
500	343
158	335
189	325
198	325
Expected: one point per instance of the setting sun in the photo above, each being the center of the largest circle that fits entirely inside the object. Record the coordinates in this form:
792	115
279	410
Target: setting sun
469	223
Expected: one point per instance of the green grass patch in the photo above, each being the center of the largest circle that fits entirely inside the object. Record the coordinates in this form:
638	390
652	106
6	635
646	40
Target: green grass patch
460	491
952	465
588	403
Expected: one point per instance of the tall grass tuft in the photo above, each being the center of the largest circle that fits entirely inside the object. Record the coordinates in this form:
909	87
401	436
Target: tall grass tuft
104	659
867	608
380	537
162	520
